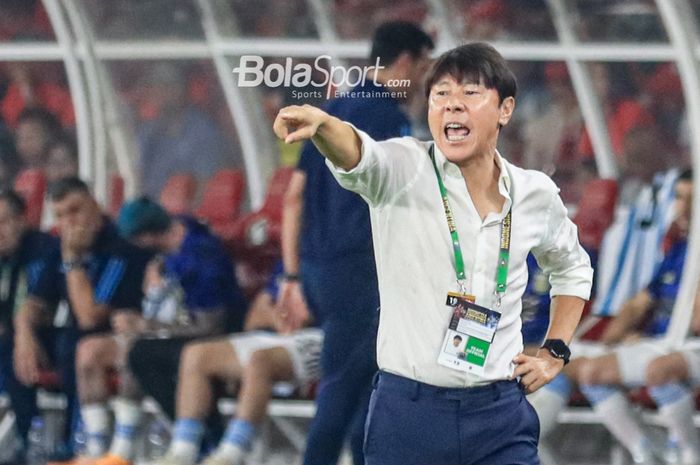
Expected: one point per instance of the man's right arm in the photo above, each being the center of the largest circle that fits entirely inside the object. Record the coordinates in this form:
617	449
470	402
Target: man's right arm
335	139
28	355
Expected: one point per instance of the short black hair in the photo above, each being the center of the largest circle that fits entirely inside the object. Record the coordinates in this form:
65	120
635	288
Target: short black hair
477	62
59	189
457	336
48	120
686	175
393	38
68	141
13	200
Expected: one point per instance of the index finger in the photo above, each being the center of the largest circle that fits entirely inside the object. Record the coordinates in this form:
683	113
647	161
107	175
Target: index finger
284	116
279	127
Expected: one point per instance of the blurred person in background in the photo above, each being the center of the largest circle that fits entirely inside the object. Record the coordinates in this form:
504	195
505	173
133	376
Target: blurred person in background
36	130
181	138
632	246
254	362
663	97
61	163
552	137
622	109
189	290
36	85
9	164
24	20
630	344
644	314
329	266
23	252
62	159
95	272
488	19
196	284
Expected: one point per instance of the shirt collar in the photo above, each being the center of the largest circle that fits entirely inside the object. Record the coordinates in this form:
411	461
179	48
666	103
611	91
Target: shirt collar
447	168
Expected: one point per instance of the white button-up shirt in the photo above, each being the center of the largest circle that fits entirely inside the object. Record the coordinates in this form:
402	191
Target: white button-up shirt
415	258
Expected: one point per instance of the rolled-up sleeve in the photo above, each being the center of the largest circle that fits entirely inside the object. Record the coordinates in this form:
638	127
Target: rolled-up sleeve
561	256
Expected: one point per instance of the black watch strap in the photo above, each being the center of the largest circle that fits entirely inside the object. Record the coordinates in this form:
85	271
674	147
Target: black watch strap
558	349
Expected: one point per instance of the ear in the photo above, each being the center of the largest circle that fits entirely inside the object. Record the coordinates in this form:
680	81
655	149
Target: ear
506	111
402	62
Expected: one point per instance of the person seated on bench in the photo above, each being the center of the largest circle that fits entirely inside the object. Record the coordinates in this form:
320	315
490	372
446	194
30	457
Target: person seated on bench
24	251
254	361
630	252
671	378
190	291
629	343
95	271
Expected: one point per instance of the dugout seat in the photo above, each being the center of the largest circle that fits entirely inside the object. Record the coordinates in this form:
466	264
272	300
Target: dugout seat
31	185
177	196
222	197
116	195
595	212
254	239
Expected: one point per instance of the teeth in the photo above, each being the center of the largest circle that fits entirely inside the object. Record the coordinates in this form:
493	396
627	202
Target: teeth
454	138
454	126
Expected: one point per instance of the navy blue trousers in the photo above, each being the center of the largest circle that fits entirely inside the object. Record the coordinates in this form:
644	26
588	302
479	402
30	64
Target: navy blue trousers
344	298
412	423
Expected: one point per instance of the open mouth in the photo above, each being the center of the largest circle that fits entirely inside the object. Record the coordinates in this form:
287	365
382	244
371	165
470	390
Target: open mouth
455	132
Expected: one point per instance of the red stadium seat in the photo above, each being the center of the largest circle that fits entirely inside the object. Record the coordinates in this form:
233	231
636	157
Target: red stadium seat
254	239
31	185
178	193
274	200
116	194
595	211
222	198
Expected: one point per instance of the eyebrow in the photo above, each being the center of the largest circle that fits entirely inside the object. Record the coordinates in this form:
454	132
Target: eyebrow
464	82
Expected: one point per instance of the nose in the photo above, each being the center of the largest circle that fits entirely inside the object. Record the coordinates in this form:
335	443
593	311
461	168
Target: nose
454	104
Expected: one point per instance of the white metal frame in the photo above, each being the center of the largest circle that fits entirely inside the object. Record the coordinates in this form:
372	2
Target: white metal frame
257	151
76	84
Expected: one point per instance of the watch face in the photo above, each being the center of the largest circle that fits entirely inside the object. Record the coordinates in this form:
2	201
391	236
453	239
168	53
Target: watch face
558	348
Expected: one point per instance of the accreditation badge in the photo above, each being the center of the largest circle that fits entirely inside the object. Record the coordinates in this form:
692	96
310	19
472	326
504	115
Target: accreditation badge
469	335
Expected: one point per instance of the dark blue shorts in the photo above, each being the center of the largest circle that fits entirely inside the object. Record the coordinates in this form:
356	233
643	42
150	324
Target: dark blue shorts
412	423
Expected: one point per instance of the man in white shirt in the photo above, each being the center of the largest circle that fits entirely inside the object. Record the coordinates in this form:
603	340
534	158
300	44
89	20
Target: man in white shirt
496	214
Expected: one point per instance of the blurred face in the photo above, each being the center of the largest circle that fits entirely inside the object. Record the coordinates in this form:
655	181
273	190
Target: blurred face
60	164
168	96
684	204
31	142
149	241
641	153
417	69
464	118
77	210
11	228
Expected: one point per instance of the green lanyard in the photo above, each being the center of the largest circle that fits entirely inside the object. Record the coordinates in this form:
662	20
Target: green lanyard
504	252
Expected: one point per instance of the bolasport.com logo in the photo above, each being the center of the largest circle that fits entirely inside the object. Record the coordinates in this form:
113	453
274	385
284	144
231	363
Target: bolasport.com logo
252	71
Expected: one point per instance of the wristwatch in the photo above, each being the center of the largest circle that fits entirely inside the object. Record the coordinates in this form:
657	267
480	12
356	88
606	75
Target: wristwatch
71	265
558	349
290	276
